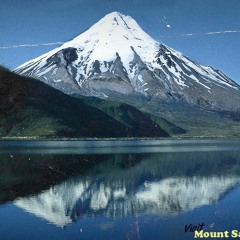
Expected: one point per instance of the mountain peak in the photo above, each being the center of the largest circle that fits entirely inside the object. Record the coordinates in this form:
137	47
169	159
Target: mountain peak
115	36
115	24
114	14
117	18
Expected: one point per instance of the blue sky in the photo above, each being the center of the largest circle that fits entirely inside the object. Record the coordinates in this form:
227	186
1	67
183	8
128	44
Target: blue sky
207	31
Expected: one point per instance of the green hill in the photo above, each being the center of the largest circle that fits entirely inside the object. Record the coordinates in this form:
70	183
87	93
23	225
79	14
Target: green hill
30	108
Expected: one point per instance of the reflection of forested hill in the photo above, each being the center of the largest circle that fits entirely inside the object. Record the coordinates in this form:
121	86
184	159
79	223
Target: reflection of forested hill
23	175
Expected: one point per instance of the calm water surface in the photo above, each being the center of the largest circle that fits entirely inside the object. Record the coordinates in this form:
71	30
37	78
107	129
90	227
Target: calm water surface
118	189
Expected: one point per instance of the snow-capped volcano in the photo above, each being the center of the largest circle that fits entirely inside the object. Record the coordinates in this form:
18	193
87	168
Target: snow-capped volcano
115	57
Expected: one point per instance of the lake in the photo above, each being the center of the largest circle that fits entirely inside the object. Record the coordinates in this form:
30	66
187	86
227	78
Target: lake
137	189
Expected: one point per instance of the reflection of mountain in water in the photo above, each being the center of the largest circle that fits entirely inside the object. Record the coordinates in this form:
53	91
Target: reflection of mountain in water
78	197
63	188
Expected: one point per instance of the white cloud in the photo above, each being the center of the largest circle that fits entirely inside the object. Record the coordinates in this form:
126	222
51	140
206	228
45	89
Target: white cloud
210	33
31	45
